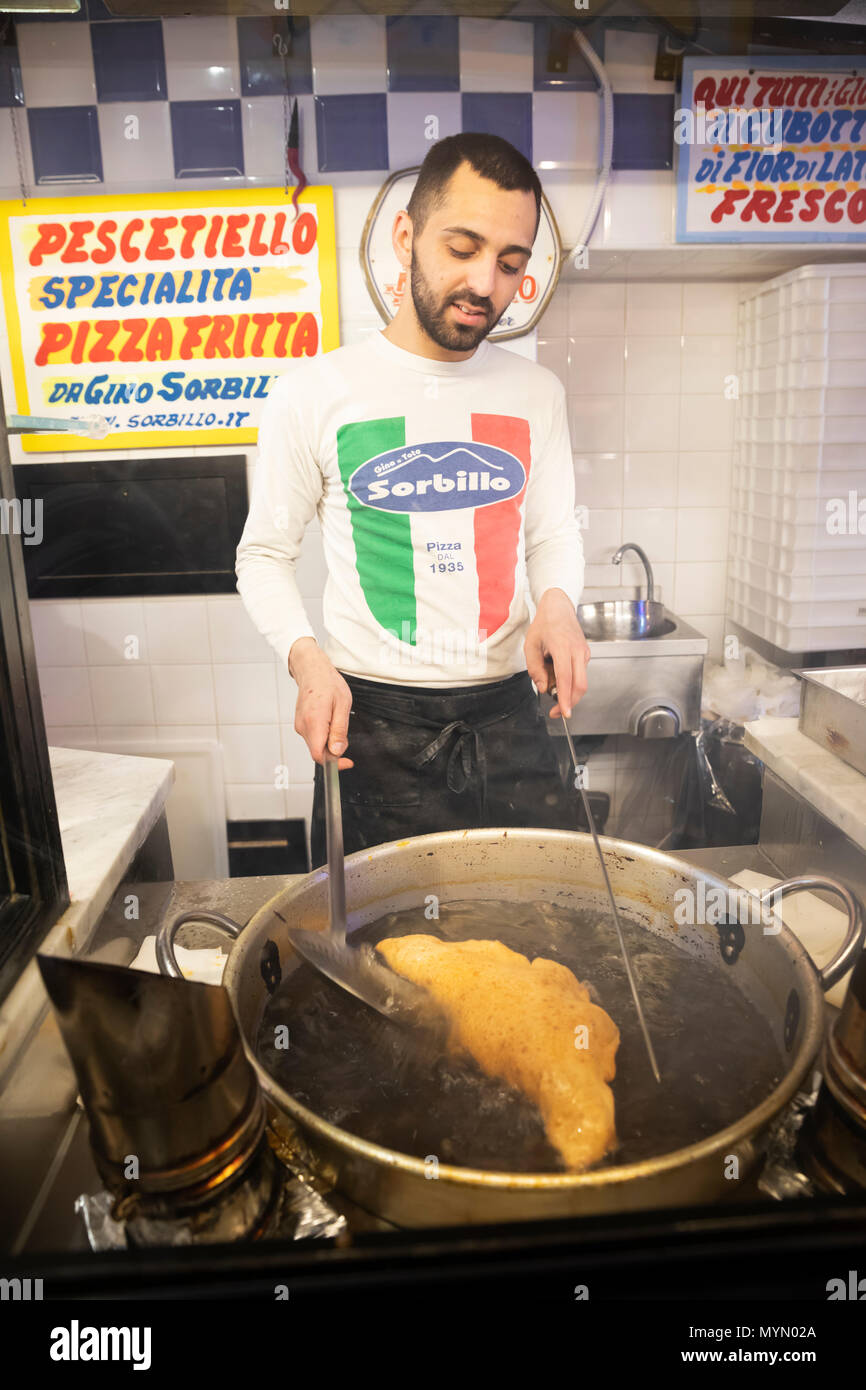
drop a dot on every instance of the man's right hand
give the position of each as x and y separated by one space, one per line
324 701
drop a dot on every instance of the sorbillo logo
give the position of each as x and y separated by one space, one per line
438 477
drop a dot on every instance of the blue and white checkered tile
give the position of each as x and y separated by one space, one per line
204 98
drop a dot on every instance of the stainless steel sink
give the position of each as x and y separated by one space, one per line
623 619
648 685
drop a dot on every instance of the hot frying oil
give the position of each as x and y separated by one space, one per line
389 1085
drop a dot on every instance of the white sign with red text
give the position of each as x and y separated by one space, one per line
771 149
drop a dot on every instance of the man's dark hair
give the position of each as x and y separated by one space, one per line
489 155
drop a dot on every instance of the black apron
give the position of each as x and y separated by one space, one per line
457 758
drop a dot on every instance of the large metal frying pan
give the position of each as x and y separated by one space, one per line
771 968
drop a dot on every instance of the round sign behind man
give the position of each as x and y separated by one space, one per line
440 468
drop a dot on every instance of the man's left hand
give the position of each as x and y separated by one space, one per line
555 636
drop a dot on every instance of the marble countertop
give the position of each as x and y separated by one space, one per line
106 805
831 786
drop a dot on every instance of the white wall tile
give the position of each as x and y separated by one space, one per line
598 480
110 733
71 735
348 53
702 533
299 803
554 320
183 694
263 122
295 754
603 535
553 354
201 60
246 693
652 365
637 198
356 330
251 753
600 576
656 309
65 694
632 574
354 195
596 424
409 127
704 479
565 130
708 363
254 801
650 480
710 307
147 162
570 193
56 64
629 61
57 632
653 528
233 636
706 422
177 630
355 301
121 695
495 55
595 365
651 423
208 733
595 308
16 116
700 587
112 628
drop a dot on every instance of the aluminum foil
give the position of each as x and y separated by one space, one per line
782 1176
301 1215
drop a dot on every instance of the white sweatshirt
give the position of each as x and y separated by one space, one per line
439 486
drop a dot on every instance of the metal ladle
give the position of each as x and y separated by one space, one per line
623 948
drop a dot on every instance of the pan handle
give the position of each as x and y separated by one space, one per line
844 958
165 957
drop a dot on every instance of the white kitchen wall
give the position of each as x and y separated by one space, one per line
645 366
649 370
651 432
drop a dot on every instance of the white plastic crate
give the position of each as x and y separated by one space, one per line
800 460
787 536
804 612
801 639
805 347
815 483
804 458
801 562
819 513
798 587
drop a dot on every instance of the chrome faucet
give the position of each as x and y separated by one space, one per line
617 555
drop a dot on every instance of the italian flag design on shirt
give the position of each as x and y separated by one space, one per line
436 525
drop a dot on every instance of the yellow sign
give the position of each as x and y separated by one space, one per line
168 314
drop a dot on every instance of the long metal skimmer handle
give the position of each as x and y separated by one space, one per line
334 837
628 970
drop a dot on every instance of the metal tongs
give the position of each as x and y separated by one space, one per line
357 969
551 690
